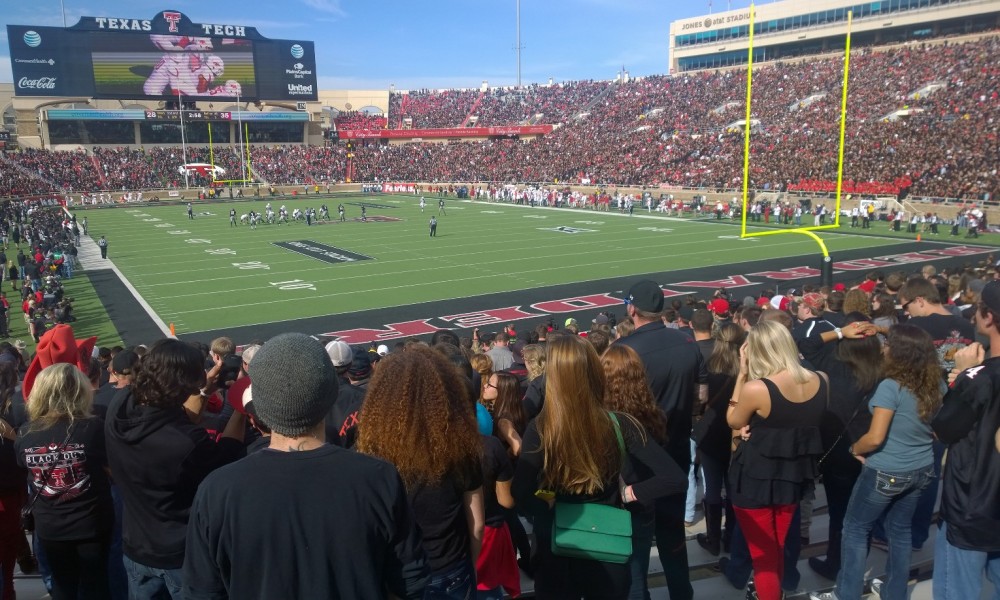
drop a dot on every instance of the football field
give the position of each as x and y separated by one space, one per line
205 275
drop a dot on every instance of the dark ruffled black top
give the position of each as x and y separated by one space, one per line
779 463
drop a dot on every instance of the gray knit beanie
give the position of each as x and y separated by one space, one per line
294 383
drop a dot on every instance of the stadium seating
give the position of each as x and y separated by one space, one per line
682 131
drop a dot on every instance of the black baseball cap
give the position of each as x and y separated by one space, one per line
646 295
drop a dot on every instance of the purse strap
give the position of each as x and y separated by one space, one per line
45 480
618 434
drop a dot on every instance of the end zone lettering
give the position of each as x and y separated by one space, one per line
322 252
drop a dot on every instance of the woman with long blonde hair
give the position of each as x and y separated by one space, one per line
417 415
777 406
570 453
62 446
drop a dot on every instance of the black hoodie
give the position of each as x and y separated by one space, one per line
158 457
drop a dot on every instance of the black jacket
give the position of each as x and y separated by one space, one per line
158 457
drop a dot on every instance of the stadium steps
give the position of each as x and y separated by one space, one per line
607 91
100 171
475 107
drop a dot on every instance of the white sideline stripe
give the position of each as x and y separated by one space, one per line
128 284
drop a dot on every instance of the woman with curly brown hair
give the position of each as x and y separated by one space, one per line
898 460
417 415
856 301
628 392
570 453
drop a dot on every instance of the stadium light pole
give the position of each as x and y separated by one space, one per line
518 49
62 5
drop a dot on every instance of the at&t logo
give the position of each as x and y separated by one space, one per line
32 39
298 51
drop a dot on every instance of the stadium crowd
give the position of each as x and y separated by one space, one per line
757 397
901 136
353 120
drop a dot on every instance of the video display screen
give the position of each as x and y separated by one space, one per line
163 57
159 65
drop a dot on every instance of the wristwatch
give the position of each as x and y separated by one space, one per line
839 332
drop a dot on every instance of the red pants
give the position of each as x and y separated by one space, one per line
765 530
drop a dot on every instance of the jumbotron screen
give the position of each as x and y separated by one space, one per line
168 56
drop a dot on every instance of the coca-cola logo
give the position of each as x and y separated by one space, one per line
42 83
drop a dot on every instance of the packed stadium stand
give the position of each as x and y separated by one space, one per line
923 119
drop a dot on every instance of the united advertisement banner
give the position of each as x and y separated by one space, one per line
167 56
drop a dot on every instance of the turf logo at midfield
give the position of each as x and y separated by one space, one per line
322 252
563 229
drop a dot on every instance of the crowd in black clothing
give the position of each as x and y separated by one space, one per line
415 464
678 131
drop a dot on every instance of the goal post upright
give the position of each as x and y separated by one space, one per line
826 265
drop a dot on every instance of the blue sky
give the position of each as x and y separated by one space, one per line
367 44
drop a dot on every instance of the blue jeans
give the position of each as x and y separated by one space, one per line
643 525
879 493
958 573
457 583
692 495
920 526
148 583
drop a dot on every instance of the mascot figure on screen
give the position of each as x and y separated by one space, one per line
187 68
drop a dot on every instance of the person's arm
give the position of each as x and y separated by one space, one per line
236 427
202 579
506 500
509 435
473 504
527 475
998 440
962 405
747 399
877 432
667 478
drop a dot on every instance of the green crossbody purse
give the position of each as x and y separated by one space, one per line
594 531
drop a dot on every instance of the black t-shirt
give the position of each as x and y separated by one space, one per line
324 523
74 502
439 511
950 334
674 367
496 467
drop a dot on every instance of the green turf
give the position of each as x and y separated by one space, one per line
212 276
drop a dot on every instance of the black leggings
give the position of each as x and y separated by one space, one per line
79 568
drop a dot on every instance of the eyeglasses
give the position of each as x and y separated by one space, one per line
490 385
907 304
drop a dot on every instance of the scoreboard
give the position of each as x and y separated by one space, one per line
189 115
